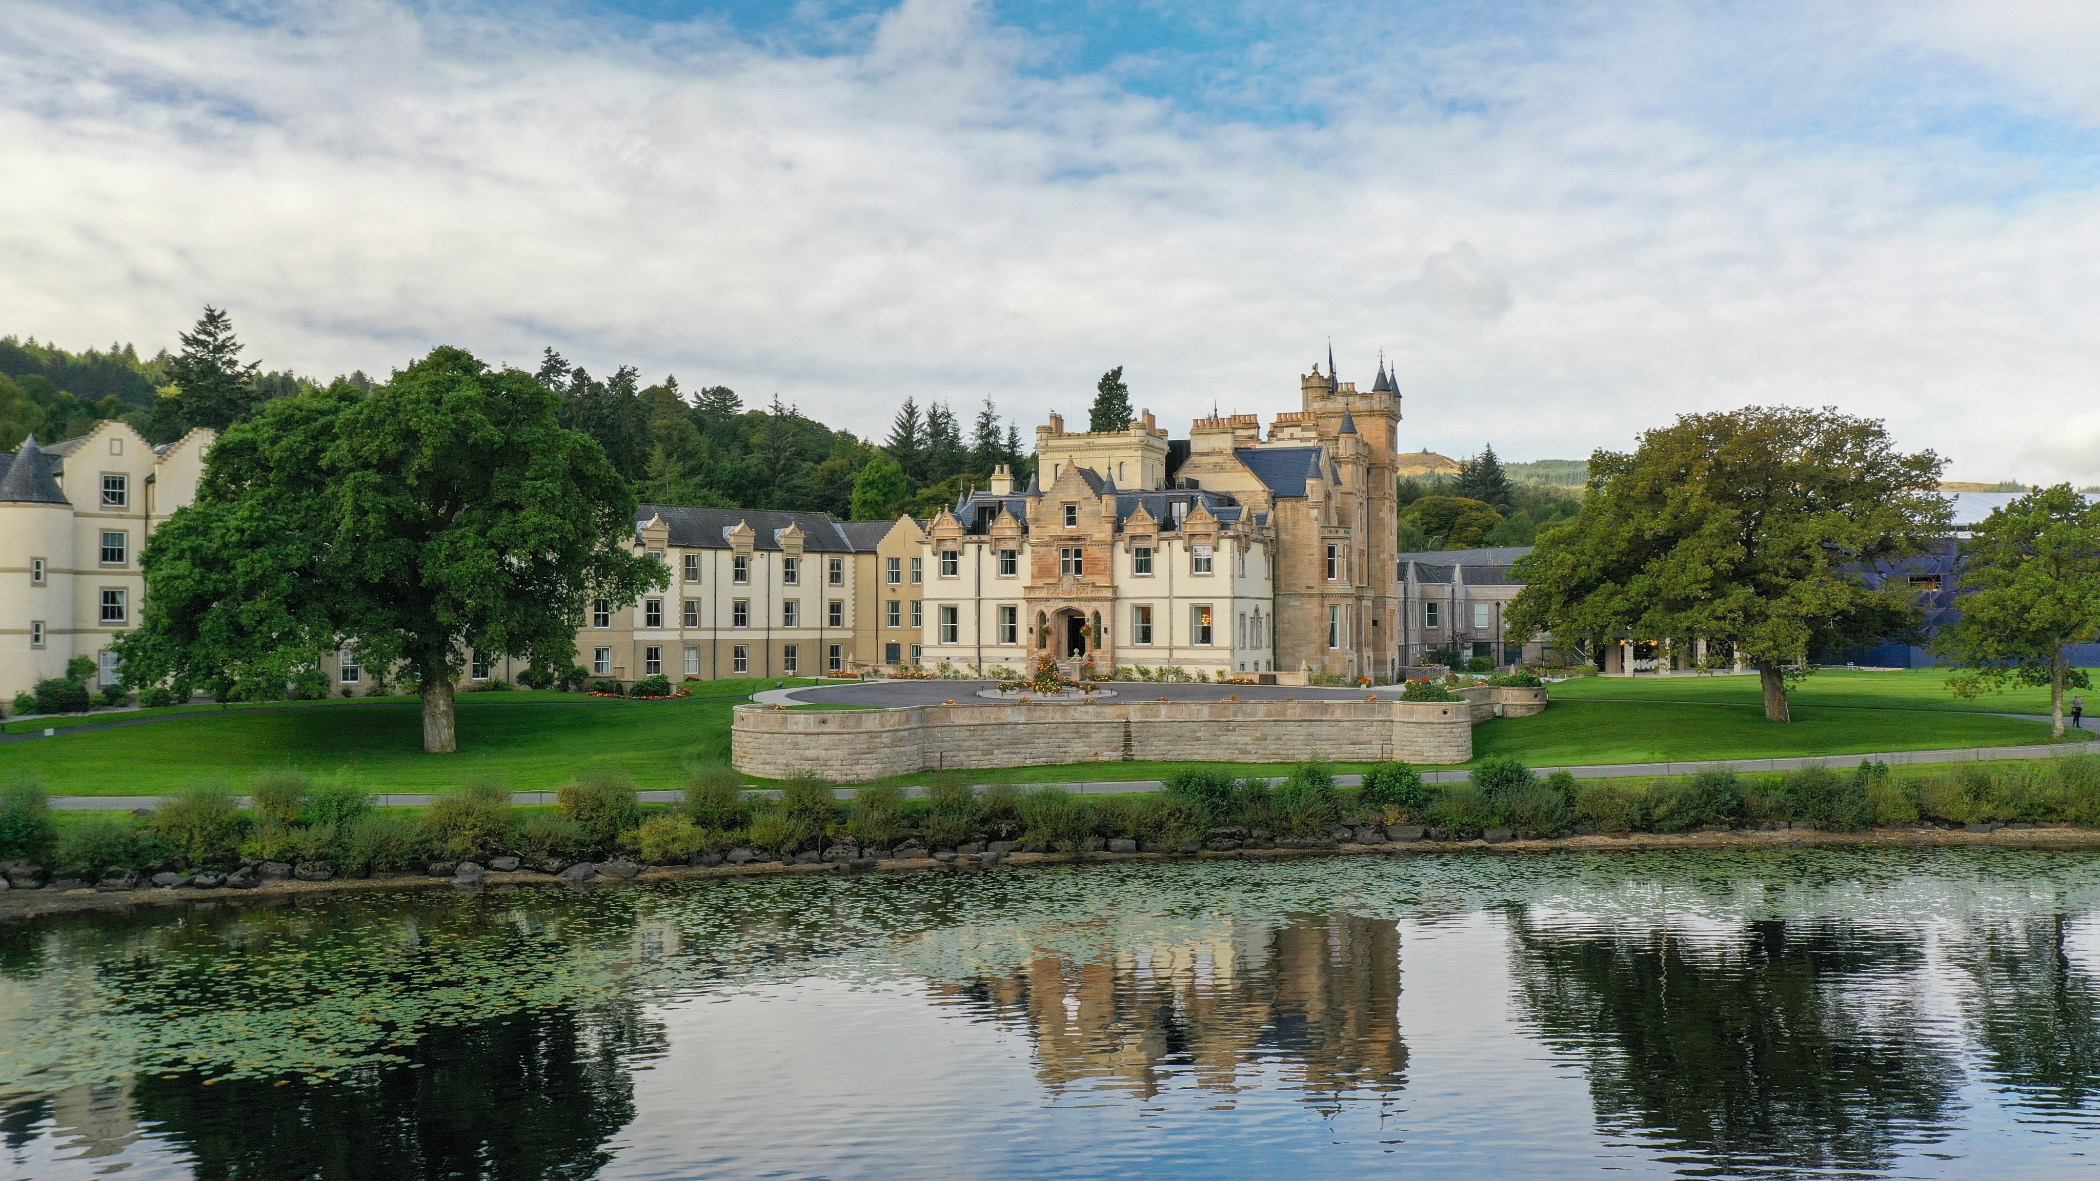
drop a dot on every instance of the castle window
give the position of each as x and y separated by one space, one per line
113 547
601 613
893 570
601 661
692 613
918 571
835 659
740 569
478 668
652 612
1009 563
1071 561
1431 616
1199 559
1483 616
1334 625
790 659
951 563
1141 559
692 567
740 613
893 615
740 659
918 615
116 491
1140 624
692 661
1009 624
835 613
653 661
949 625
1199 624
835 571
349 671
791 613
1334 562
1071 516
36 633
115 609
791 571
112 666
36 571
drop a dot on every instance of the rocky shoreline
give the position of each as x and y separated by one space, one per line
277 881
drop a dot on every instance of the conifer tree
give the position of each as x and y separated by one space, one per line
1111 410
907 441
1481 478
212 387
987 449
945 456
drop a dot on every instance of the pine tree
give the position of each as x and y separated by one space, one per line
907 441
1017 459
213 388
987 449
1481 478
1111 410
945 456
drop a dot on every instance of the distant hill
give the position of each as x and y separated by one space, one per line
1973 486
1418 464
1559 473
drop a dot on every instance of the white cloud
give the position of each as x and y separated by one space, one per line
1558 249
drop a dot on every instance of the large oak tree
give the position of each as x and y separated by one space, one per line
1750 529
444 512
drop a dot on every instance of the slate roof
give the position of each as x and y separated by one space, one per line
709 528
1495 555
1282 470
1432 573
25 477
982 508
864 536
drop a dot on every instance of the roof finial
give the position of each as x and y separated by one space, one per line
1334 381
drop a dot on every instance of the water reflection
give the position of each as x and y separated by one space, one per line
2035 1012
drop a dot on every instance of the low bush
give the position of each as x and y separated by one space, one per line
25 703
999 811
1394 785
714 798
1464 810
26 828
1825 799
1674 805
1499 775
543 834
877 820
1891 800
1607 807
656 686
671 839
1305 803
199 825
1055 818
1537 807
336 801
269 841
86 849
382 842
1517 679
493 685
472 823
774 828
157 697
602 805
1427 691
313 843
1208 792
278 796
61 696
115 695
951 813
612 687
535 677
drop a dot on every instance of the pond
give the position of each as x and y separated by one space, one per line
1803 1013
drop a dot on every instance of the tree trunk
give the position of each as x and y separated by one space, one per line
2056 695
440 734
1774 682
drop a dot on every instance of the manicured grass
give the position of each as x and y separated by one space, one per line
1923 688
1581 732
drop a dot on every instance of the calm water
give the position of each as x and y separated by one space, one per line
1797 1014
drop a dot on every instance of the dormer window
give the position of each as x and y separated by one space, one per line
740 569
1141 559
1071 516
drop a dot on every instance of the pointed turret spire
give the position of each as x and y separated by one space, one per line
1384 384
27 479
1035 480
1334 381
1348 422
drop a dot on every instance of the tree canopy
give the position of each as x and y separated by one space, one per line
2030 584
212 387
1111 410
1749 529
1481 478
445 512
1450 522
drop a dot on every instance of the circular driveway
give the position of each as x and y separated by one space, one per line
907 693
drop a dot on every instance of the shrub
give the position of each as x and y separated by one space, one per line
535 677
1499 775
1394 785
26 828
999 810
1564 785
1211 794
542 834
877 819
25 703
809 798
336 801
1607 807
671 839
157 696
1721 795
1891 800
86 849
951 813
61 696
277 795
268 841
602 805
200 825
1517 679
1427 691
714 798
1827 800
314 843
1536 807
1464 810
774 827
656 686
1675 805
1055 818
381 842
2080 778
571 679
115 695
493 685
1306 803
612 687
473 822
1480 664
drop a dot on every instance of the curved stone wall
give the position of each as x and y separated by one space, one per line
857 745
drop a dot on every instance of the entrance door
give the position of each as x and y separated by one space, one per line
1075 637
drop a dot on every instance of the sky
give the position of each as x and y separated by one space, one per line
1560 223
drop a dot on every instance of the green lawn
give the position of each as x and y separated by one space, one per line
533 741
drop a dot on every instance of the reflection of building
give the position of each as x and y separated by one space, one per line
1320 997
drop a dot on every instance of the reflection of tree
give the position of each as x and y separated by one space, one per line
1321 995
525 1096
1788 1046
2036 1014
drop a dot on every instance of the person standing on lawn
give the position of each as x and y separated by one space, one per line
2078 712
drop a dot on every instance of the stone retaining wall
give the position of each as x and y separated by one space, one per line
853 746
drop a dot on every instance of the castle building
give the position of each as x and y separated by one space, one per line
73 517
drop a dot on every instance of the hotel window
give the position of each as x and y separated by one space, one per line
111 666
893 614
1141 559
478 668
656 555
790 659
350 672
917 651
1199 624
893 653
1334 562
652 612
1009 625
918 571
740 613
1009 563
601 613
601 661
690 612
893 570
740 659
653 661
951 563
949 628
1334 625
114 607
835 658
835 571
114 545
36 571
692 661
1071 561
692 567
791 613
835 613
1071 516
740 569
1239 563
918 616
1432 615
36 633
1141 624
1483 616
116 491
1199 559
1239 631
791 571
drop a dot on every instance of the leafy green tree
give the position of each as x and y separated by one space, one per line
1111 409
19 414
879 490
1748 529
1450 522
1481 478
2030 585
444 512
212 387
